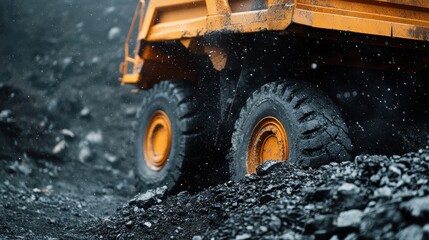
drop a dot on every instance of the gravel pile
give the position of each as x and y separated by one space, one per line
372 197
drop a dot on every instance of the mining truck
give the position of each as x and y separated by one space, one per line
228 85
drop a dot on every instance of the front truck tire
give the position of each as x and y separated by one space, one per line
288 120
168 138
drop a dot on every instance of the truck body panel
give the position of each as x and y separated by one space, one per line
187 21
175 19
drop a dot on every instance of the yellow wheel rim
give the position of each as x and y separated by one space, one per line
157 142
268 142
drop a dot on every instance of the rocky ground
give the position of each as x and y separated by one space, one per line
64 142
63 137
374 197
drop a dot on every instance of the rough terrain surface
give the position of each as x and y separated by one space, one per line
374 197
65 126
64 120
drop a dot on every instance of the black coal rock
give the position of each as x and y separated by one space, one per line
349 219
267 167
365 199
417 208
376 222
414 232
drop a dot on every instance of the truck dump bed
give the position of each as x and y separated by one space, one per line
186 20
174 19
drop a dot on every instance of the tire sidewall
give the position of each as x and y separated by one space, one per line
164 176
267 106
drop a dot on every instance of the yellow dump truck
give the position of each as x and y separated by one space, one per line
230 84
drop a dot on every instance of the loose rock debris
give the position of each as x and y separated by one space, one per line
364 199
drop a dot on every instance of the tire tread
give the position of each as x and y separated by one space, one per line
324 134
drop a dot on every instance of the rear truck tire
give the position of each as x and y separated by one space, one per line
168 138
288 120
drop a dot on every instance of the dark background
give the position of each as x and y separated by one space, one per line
59 69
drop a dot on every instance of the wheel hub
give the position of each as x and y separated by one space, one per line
268 142
157 142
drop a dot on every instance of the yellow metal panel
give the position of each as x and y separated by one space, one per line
216 7
410 31
381 10
178 29
396 18
279 14
130 78
181 12
240 5
255 21
154 7
340 22
409 3
217 22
